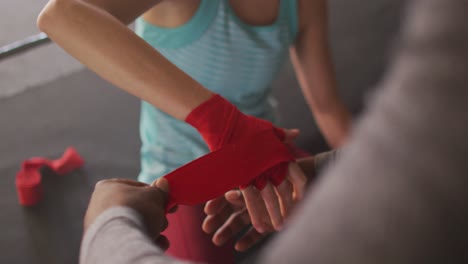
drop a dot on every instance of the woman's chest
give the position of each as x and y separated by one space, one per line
174 13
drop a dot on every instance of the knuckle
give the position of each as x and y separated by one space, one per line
100 184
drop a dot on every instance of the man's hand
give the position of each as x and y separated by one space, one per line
149 201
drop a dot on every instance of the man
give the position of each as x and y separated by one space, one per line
397 193
147 205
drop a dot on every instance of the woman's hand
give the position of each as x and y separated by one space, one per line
232 213
269 207
227 216
266 210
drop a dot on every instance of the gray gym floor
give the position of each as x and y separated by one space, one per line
48 102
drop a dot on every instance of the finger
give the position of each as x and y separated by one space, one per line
212 222
298 180
162 184
273 206
234 225
160 189
235 198
257 210
162 242
234 202
249 239
291 134
155 220
215 205
285 195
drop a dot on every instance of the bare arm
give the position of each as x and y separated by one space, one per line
94 32
311 59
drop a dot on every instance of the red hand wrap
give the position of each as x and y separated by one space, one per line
28 179
220 123
247 150
234 165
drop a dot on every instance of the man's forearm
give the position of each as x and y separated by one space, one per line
314 165
398 192
324 159
119 236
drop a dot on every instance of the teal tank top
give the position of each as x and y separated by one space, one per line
234 59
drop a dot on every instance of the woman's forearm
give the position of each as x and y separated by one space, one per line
335 123
109 48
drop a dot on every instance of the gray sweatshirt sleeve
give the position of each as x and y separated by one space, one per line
397 193
118 236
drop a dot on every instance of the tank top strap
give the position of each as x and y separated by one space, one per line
289 13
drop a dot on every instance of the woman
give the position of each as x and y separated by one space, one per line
233 48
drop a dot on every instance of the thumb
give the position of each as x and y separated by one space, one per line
291 134
162 184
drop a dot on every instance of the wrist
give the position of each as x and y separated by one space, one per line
215 119
307 166
324 159
314 165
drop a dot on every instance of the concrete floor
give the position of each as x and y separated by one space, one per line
66 105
